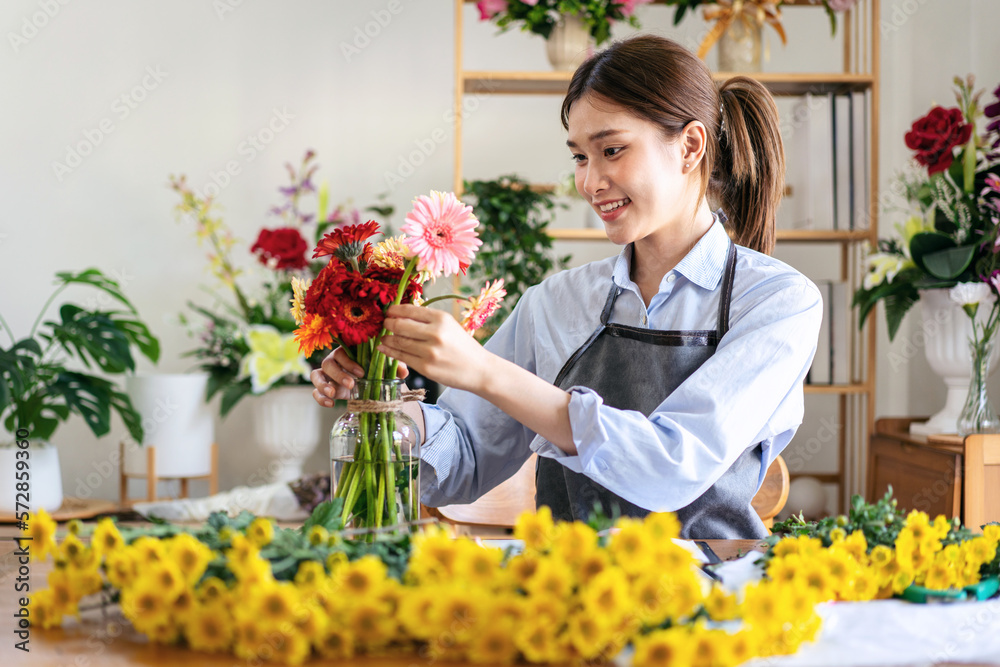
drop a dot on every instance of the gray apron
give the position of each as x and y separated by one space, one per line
633 368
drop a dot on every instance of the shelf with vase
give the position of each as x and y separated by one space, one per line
499 82
858 72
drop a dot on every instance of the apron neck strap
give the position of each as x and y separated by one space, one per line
727 290
724 298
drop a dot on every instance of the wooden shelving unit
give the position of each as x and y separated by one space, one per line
859 71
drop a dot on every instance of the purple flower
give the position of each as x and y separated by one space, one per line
992 113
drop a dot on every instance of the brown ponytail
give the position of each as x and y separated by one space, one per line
743 170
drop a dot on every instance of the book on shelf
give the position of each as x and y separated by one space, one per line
831 365
826 163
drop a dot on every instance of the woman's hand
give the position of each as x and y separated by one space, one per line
335 378
432 342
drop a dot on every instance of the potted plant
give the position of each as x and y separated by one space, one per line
39 389
569 27
949 242
516 243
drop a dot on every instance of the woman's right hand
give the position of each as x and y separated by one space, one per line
335 378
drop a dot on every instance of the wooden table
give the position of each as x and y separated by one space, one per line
110 641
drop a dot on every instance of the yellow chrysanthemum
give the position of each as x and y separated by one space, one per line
434 557
940 576
522 567
148 550
106 539
651 595
191 556
588 635
459 611
494 645
720 605
213 590
817 577
145 604
992 532
44 611
311 573
591 565
684 594
369 623
478 565
260 532
168 632
362 577
207 630
662 526
980 549
607 595
664 648
71 549
299 289
506 607
535 529
837 535
416 612
538 643
274 605
165 575
310 621
881 556
547 609
337 643
572 541
631 546
249 640
120 567
551 577
785 569
856 545
64 595
42 531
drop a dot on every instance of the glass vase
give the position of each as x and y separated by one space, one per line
740 45
375 458
978 416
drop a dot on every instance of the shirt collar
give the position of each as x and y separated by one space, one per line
703 265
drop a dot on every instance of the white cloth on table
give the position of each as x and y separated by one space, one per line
273 500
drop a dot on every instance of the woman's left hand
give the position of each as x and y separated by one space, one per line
433 343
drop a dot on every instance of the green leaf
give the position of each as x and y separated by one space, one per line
17 370
138 334
122 404
327 515
92 335
87 396
897 304
949 263
232 395
95 278
924 243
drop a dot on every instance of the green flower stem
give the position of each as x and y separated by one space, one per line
390 469
443 297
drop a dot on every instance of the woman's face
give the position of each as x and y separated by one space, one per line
633 177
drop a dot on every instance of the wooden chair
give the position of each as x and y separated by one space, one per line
497 511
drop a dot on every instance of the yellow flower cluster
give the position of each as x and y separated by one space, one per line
846 570
568 597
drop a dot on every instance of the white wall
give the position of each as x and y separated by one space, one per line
222 75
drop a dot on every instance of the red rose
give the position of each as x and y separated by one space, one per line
935 135
285 245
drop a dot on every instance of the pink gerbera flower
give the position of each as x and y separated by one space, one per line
483 306
441 232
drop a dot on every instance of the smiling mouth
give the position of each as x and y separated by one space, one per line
605 208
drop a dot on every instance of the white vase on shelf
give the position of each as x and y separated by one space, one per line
946 333
569 44
287 428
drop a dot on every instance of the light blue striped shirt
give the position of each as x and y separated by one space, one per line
748 392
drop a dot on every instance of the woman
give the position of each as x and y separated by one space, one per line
664 379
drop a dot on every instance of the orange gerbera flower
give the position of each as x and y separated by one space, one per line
313 335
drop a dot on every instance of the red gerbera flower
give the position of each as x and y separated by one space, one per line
314 334
346 243
390 278
282 248
356 320
328 285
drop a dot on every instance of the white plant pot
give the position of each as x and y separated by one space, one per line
946 332
568 45
287 425
176 420
44 483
